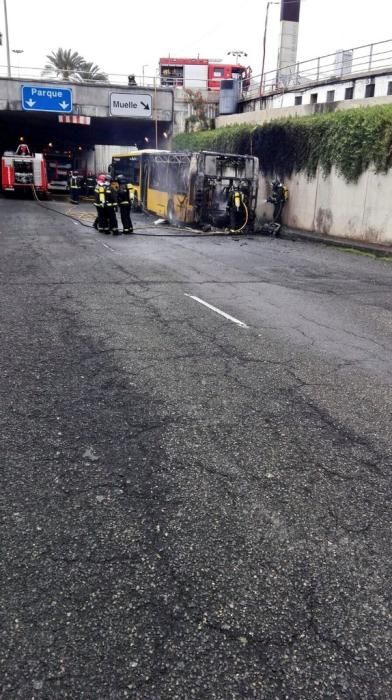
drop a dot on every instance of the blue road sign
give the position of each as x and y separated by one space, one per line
46 98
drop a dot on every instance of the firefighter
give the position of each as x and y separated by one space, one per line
74 186
110 207
23 150
237 209
125 198
90 185
278 198
101 223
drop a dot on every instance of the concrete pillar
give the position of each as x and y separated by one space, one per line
289 25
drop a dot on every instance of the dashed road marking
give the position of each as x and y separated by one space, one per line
218 311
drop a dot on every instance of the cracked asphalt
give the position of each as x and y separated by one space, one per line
189 508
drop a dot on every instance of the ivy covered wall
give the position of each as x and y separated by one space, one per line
351 141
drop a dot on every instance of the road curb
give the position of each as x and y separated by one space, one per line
373 249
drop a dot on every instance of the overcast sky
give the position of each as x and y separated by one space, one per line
122 36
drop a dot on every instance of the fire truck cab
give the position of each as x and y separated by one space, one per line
23 170
200 73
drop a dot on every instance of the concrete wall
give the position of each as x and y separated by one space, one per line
259 116
88 100
99 159
169 105
331 206
359 85
307 92
360 211
183 107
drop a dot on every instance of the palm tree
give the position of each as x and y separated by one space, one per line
90 71
64 64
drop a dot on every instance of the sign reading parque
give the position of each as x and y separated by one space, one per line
46 98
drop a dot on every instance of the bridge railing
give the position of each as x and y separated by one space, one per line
38 73
338 65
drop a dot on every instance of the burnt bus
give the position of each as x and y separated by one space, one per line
195 188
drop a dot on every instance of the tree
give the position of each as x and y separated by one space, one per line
198 120
90 71
63 63
70 65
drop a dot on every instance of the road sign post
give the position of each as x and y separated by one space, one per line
46 98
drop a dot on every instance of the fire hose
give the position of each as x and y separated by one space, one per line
187 232
246 219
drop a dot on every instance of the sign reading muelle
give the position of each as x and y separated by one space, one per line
130 104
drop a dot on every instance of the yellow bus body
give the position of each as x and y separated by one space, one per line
188 188
152 199
158 203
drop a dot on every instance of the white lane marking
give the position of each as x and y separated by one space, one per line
218 311
114 250
76 223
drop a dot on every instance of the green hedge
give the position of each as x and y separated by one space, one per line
350 140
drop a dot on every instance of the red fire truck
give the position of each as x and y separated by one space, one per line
200 73
23 170
59 167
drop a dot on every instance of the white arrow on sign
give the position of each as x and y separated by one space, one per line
30 102
63 104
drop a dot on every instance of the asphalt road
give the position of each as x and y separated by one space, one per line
192 507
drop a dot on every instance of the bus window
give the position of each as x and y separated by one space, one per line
135 178
158 175
129 166
177 178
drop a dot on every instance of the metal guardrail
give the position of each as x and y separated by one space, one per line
33 73
338 65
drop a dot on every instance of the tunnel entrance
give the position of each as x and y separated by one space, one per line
76 142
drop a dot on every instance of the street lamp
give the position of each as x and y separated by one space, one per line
270 2
237 54
7 40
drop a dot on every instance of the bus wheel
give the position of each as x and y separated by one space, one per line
171 217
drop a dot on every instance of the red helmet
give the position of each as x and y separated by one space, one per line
23 150
101 179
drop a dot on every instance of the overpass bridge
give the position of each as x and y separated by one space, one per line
98 113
